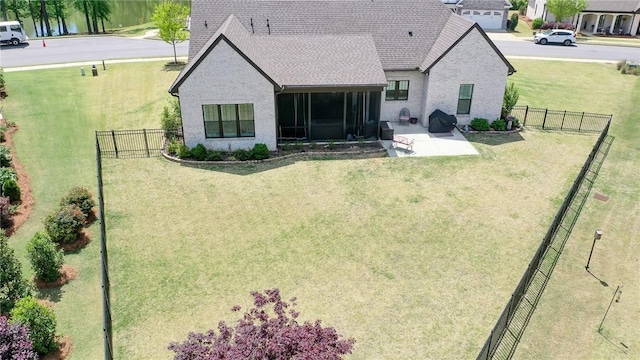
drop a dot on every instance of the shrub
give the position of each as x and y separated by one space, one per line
510 99
536 23
46 260
173 147
522 10
64 225
556 25
214 155
5 156
266 333
480 124
7 174
499 125
199 152
81 197
260 151
184 152
170 118
12 285
620 64
242 154
331 145
15 343
41 322
1 77
11 189
514 21
3 136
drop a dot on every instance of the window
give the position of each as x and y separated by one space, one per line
464 99
3 28
397 90
487 13
497 13
228 120
476 13
466 12
16 28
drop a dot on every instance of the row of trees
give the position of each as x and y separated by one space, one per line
46 12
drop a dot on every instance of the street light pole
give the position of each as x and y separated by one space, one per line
596 236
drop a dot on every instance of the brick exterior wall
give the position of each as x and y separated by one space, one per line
390 110
471 61
224 77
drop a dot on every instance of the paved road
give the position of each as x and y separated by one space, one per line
79 49
86 49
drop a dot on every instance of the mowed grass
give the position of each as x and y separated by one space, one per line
415 258
57 112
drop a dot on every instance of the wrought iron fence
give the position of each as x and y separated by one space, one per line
561 119
134 143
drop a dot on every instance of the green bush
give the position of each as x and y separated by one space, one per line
536 23
242 154
199 152
41 322
11 189
81 197
46 260
5 156
260 151
170 118
173 147
1 77
12 285
64 225
499 125
514 21
480 124
184 152
7 174
522 10
214 155
620 64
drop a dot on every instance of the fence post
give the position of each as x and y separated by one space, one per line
526 112
581 118
146 143
544 120
563 116
115 145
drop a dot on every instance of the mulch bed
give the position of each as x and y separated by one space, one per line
67 273
64 349
81 241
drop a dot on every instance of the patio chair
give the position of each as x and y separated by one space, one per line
405 115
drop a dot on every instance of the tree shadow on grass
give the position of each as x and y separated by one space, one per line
53 294
495 139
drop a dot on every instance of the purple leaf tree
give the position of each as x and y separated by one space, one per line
268 330
15 343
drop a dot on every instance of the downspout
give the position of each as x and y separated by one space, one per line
181 122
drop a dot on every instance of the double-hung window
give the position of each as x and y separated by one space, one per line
464 99
397 90
228 120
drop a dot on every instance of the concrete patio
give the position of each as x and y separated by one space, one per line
428 144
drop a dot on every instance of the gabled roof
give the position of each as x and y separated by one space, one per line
298 61
483 4
614 5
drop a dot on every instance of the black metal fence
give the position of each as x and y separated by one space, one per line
506 334
561 119
134 143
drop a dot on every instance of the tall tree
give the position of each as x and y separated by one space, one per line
45 17
34 12
83 6
563 9
19 8
170 17
101 10
3 5
60 10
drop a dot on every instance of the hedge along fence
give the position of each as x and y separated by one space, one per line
561 119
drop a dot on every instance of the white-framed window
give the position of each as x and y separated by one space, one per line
464 99
228 120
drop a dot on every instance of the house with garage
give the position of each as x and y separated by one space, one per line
263 71
489 14
601 17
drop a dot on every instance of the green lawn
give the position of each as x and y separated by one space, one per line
415 258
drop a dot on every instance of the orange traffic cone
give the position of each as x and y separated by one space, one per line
43 43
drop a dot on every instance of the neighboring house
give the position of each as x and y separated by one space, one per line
267 71
618 17
489 14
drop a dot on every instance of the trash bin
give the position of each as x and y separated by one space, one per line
386 130
413 120
94 70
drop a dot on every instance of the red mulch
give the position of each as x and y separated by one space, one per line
67 273
81 241
64 349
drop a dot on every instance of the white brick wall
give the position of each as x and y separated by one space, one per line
471 61
224 77
389 110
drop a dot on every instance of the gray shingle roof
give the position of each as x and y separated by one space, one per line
484 4
613 5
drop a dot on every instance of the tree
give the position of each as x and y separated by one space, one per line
511 96
46 260
60 10
170 17
3 5
265 334
83 7
44 17
15 343
41 322
562 9
12 285
19 8
34 13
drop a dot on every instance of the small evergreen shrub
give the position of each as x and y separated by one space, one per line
7 174
522 10
173 147
536 23
41 322
260 151
313 145
331 145
81 197
514 21
620 64
499 125
480 124
242 154
11 189
199 152
12 285
184 152
64 225
15 343
214 155
5 156
46 260
1 77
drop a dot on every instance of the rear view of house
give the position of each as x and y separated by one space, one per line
267 71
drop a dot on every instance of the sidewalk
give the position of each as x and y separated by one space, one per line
88 64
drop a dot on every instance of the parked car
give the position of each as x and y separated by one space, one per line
557 36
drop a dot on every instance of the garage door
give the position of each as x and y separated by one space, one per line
485 18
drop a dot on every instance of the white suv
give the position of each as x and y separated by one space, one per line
558 36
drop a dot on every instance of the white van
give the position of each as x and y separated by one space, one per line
11 32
